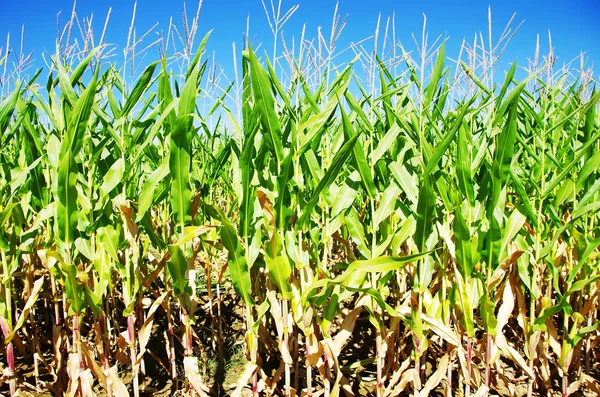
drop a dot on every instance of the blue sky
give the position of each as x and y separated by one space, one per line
574 24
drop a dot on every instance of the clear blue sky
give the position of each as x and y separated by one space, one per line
574 24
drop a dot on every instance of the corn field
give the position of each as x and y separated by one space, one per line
395 226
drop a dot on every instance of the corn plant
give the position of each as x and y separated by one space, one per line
361 232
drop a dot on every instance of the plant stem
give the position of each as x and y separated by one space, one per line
171 352
469 358
10 354
284 310
133 354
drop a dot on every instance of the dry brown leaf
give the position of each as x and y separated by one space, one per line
267 207
275 309
37 285
73 371
132 228
504 313
396 377
592 384
190 364
244 379
573 387
91 364
314 350
482 391
502 269
271 381
436 377
285 353
441 329
545 370
346 386
510 352
146 328
117 386
86 381
315 393
592 303
408 377
506 309
346 329
553 340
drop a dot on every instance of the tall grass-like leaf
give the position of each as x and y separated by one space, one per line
509 78
280 269
113 177
263 96
146 196
359 158
425 212
425 215
178 271
571 166
165 97
382 264
180 160
332 173
441 147
238 266
436 75
500 172
463 166
199 52
67 209
524 197
7 107
140 87
464 246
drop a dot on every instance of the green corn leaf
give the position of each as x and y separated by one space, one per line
192 66
474 78
191 232
525 199
503 157
178 268
359 157
381 264
238 266
67 209
405 180
7 107
513 96
425 212
280 269
432 162
332 173
139 89
509 78
180 160
464 248
569 167
108 241
386 143
386 205
112 178
357 232
146 197
590 166
436 75
265 105
463 166
81 68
